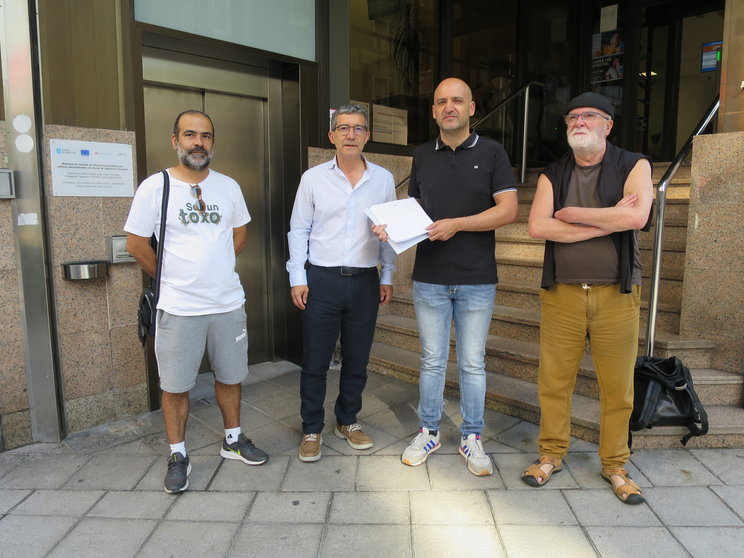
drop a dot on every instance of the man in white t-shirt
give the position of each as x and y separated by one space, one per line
201 302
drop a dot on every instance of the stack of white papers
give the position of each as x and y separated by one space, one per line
406 222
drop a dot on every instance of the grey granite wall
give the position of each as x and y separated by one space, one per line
102 362
713 297
15 419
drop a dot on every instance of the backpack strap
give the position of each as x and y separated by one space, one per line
696 430
678 379
161 238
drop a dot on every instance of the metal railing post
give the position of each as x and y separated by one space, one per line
653 298
525 119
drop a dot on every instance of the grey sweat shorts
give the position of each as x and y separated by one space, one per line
180 342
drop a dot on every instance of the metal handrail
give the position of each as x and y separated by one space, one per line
525 89
653 300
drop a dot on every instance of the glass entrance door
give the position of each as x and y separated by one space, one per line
677 82
239 114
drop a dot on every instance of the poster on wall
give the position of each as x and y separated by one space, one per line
90 168
389 125
710 58
608 48
607 68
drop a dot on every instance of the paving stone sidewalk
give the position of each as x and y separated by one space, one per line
99 492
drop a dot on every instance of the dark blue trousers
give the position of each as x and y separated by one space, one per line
337 305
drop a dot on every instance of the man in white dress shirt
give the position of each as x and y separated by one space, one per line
333 259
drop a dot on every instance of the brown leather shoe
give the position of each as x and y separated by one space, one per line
310 447
354 435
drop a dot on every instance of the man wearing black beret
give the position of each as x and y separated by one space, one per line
589 206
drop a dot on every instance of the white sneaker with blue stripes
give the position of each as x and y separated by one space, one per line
479 463
420 447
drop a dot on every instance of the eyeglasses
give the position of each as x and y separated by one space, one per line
197 192
344 129
588 117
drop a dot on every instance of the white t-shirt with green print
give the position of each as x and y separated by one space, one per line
198 275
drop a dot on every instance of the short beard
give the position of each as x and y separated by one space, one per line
586 146
188 160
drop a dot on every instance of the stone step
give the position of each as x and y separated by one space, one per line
522 268
519 359
517 232
675 231
524 294
523 328
675 214
677 189
509 245
518 397
683 174
658 169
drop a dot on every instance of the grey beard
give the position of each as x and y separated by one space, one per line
192 162
585 149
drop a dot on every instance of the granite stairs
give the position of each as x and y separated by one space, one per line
512 346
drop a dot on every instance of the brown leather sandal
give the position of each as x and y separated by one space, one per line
534 473
628 492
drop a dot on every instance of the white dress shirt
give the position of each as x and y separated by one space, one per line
329 227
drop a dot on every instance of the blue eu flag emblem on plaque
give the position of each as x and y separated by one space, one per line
85 152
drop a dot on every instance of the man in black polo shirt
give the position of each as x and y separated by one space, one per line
465 184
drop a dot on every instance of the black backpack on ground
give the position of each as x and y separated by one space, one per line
665 396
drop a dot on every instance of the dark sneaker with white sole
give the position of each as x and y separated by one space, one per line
243 450
177 477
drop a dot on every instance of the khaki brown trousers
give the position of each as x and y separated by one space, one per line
569 314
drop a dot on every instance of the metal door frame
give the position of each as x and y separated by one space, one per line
22 98
286 157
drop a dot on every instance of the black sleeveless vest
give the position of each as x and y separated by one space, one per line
617 164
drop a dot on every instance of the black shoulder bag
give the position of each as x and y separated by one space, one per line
665 396
148 303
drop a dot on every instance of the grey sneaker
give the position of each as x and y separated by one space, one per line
177 477
420 447
478 461
243 450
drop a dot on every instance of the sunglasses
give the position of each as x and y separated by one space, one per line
197 192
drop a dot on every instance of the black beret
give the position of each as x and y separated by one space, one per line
589 99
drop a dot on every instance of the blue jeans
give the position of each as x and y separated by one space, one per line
471 307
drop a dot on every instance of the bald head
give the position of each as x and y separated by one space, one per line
453 85
453 106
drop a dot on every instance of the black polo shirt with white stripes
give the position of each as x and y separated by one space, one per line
458 183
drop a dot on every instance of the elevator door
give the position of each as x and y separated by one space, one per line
240 152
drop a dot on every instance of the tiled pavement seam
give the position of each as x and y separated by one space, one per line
696 497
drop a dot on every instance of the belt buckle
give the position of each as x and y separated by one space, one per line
346 271
586 286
